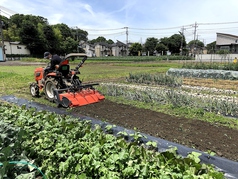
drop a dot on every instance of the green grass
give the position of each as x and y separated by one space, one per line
15 80
28 59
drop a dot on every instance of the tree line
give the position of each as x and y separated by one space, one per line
175 44
39 36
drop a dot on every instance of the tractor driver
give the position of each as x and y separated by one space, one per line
54 60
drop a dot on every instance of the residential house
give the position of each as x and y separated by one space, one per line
101 49
89 50
119 49
15 48
227 42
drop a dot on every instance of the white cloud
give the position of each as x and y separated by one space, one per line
56 18
89 9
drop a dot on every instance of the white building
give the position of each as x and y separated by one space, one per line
227 42
15 48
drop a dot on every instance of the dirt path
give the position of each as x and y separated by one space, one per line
20 63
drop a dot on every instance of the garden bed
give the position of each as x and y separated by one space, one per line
189 133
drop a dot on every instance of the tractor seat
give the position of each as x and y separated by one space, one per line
64 69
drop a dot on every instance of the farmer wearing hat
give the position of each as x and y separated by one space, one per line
54 61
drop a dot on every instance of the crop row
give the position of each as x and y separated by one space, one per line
154 79
142 58
65 147
214 66
173 96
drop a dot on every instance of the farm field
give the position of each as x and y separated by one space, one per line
214 137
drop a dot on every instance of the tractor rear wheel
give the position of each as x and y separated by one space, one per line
50 85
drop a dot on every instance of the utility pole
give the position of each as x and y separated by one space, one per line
181 47
126 40
194 42
195 30
77 33
2 53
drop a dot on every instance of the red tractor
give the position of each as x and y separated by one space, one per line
63 86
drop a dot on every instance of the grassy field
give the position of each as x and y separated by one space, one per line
15 80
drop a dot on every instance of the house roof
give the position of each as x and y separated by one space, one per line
119 43
228 35
226 39
102 43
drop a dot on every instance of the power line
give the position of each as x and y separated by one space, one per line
158 29
166 28
7 11
4 13
218 23
221 28
161 28
119 33
103 29
188 30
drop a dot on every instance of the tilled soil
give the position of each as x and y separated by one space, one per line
196 134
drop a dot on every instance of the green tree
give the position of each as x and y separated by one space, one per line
211 47
60 40
5 21
36 33
19 19
29 30
79 34
64 30
175 43
29 36
69 45
161 48
41 38
12 33
164 41
195 43
135 49
195 46
110 41
51 40
150 45
99 39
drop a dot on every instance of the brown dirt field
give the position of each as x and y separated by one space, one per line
196 134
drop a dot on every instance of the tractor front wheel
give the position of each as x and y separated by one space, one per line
50 85
34 89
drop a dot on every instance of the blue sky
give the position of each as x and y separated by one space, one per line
151 18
